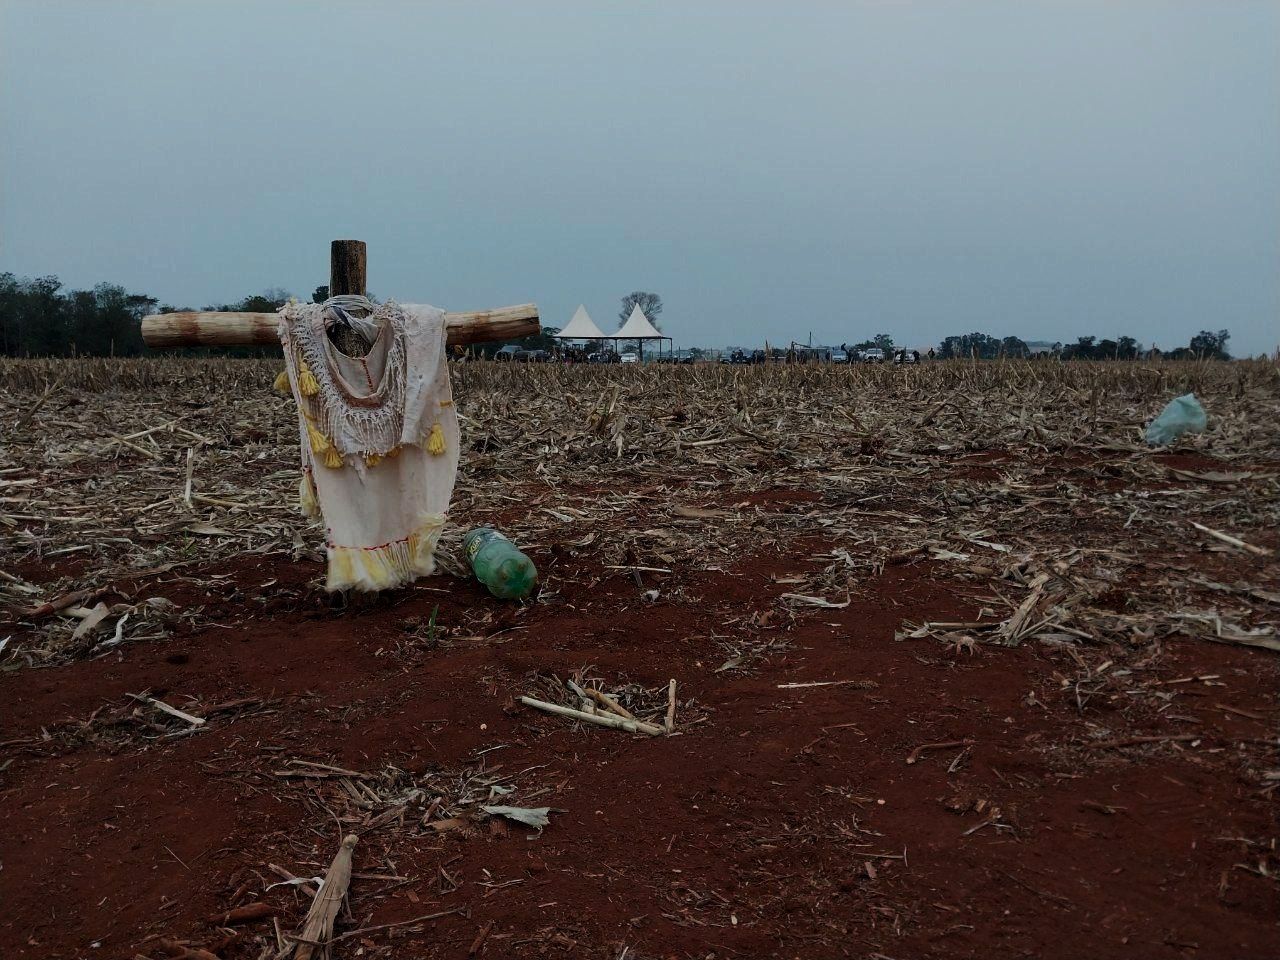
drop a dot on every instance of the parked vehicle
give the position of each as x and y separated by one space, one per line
531 356
679 356
803 353
629 356
602 356
873 355
507 353
839 356
906 356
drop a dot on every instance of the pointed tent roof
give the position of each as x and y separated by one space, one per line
638 327
581 327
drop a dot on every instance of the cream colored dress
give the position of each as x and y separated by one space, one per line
379 441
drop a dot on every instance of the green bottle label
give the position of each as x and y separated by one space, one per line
480 541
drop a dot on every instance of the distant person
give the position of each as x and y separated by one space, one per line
931 355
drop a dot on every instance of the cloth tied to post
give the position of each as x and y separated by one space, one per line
379 438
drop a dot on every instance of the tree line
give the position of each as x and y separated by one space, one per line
38 317
1207 344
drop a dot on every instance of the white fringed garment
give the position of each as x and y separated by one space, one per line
385 496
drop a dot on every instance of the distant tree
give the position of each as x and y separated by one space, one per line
1085 348
82 322
885 342
1209 345
1127 348
268 301
650 303
117 326
980 345
1014 347
320 294
45 325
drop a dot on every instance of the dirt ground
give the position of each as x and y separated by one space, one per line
1017 738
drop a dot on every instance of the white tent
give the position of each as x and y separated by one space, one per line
581 327
639 328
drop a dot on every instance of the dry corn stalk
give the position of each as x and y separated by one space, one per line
318 927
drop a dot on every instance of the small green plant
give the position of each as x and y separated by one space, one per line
422 635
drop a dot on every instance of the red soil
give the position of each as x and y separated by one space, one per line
786 823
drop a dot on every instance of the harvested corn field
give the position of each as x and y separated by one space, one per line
958 661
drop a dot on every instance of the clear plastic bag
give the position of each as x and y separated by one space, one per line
1182 415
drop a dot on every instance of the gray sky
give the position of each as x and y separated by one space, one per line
1046 170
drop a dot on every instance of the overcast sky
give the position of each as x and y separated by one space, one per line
1046 170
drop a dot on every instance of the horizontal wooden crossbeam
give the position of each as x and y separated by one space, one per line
192 328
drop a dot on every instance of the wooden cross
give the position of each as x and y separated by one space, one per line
347 261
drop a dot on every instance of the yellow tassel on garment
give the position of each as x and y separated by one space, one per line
320 444
332 458
393 452
307 380
307 497
435 443
372 459
281 384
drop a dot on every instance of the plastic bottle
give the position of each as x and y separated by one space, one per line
496 562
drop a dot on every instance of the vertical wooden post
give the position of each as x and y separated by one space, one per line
348 260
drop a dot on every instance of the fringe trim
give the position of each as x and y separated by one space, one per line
281 384
387 566
307 502
373 459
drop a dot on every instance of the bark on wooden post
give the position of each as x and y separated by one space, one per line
348 260
193 328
